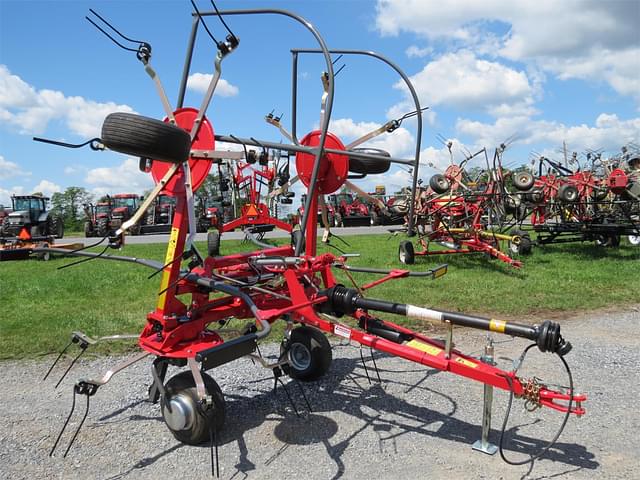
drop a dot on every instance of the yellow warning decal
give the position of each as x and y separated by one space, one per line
424 347
466 363
497 325
164 283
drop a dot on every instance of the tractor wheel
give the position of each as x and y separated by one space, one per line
374 219
103 227
439 183
406 254
184 417
523 181
339 221
145 137
525 245
57 227
213 243
88 229
567 193
308 352
368 166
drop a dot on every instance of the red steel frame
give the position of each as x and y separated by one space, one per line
178 330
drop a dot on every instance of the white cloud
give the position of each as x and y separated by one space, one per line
10 169
586 39
199 82
30 110
608 132
125 177
417 52
47 188
399 143
5 194
462 80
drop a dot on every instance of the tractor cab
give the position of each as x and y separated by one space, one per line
124 206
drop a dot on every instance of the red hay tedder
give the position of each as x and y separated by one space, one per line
293 284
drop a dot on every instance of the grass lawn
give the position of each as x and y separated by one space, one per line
42 305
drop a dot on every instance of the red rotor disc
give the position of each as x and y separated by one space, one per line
205 140
334 167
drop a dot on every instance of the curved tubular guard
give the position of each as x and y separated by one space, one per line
324 127
416 102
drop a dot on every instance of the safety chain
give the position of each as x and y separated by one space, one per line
531 394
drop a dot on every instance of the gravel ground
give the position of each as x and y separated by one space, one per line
417 423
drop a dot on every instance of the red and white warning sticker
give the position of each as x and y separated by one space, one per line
342 331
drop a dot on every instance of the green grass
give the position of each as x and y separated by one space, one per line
41 305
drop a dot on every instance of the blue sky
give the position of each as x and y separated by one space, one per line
544 72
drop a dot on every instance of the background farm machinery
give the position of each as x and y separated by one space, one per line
462 215
31 212
293 283
598 201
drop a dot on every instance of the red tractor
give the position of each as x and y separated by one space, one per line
160 215
349 210
98 219
124 206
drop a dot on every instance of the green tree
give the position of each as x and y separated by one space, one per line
68 204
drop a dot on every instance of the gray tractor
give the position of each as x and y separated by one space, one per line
30 212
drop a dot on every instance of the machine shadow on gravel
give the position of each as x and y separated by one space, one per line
346 389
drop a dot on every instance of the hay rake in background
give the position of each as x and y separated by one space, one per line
293 284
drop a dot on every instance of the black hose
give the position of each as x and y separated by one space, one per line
553 441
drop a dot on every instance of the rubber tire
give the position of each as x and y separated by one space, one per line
103 227
213 243
523 181
368 166
439 183
57 227
525 246
599 194
406 253
184 384
145 137
567 193
374 219
320 353
535 196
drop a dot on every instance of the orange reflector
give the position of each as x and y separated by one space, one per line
24 234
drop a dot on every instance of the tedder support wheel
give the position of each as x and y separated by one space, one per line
525 245
213 243
368 166
308 352
439 183
187 420
523 181
406 253
145 137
